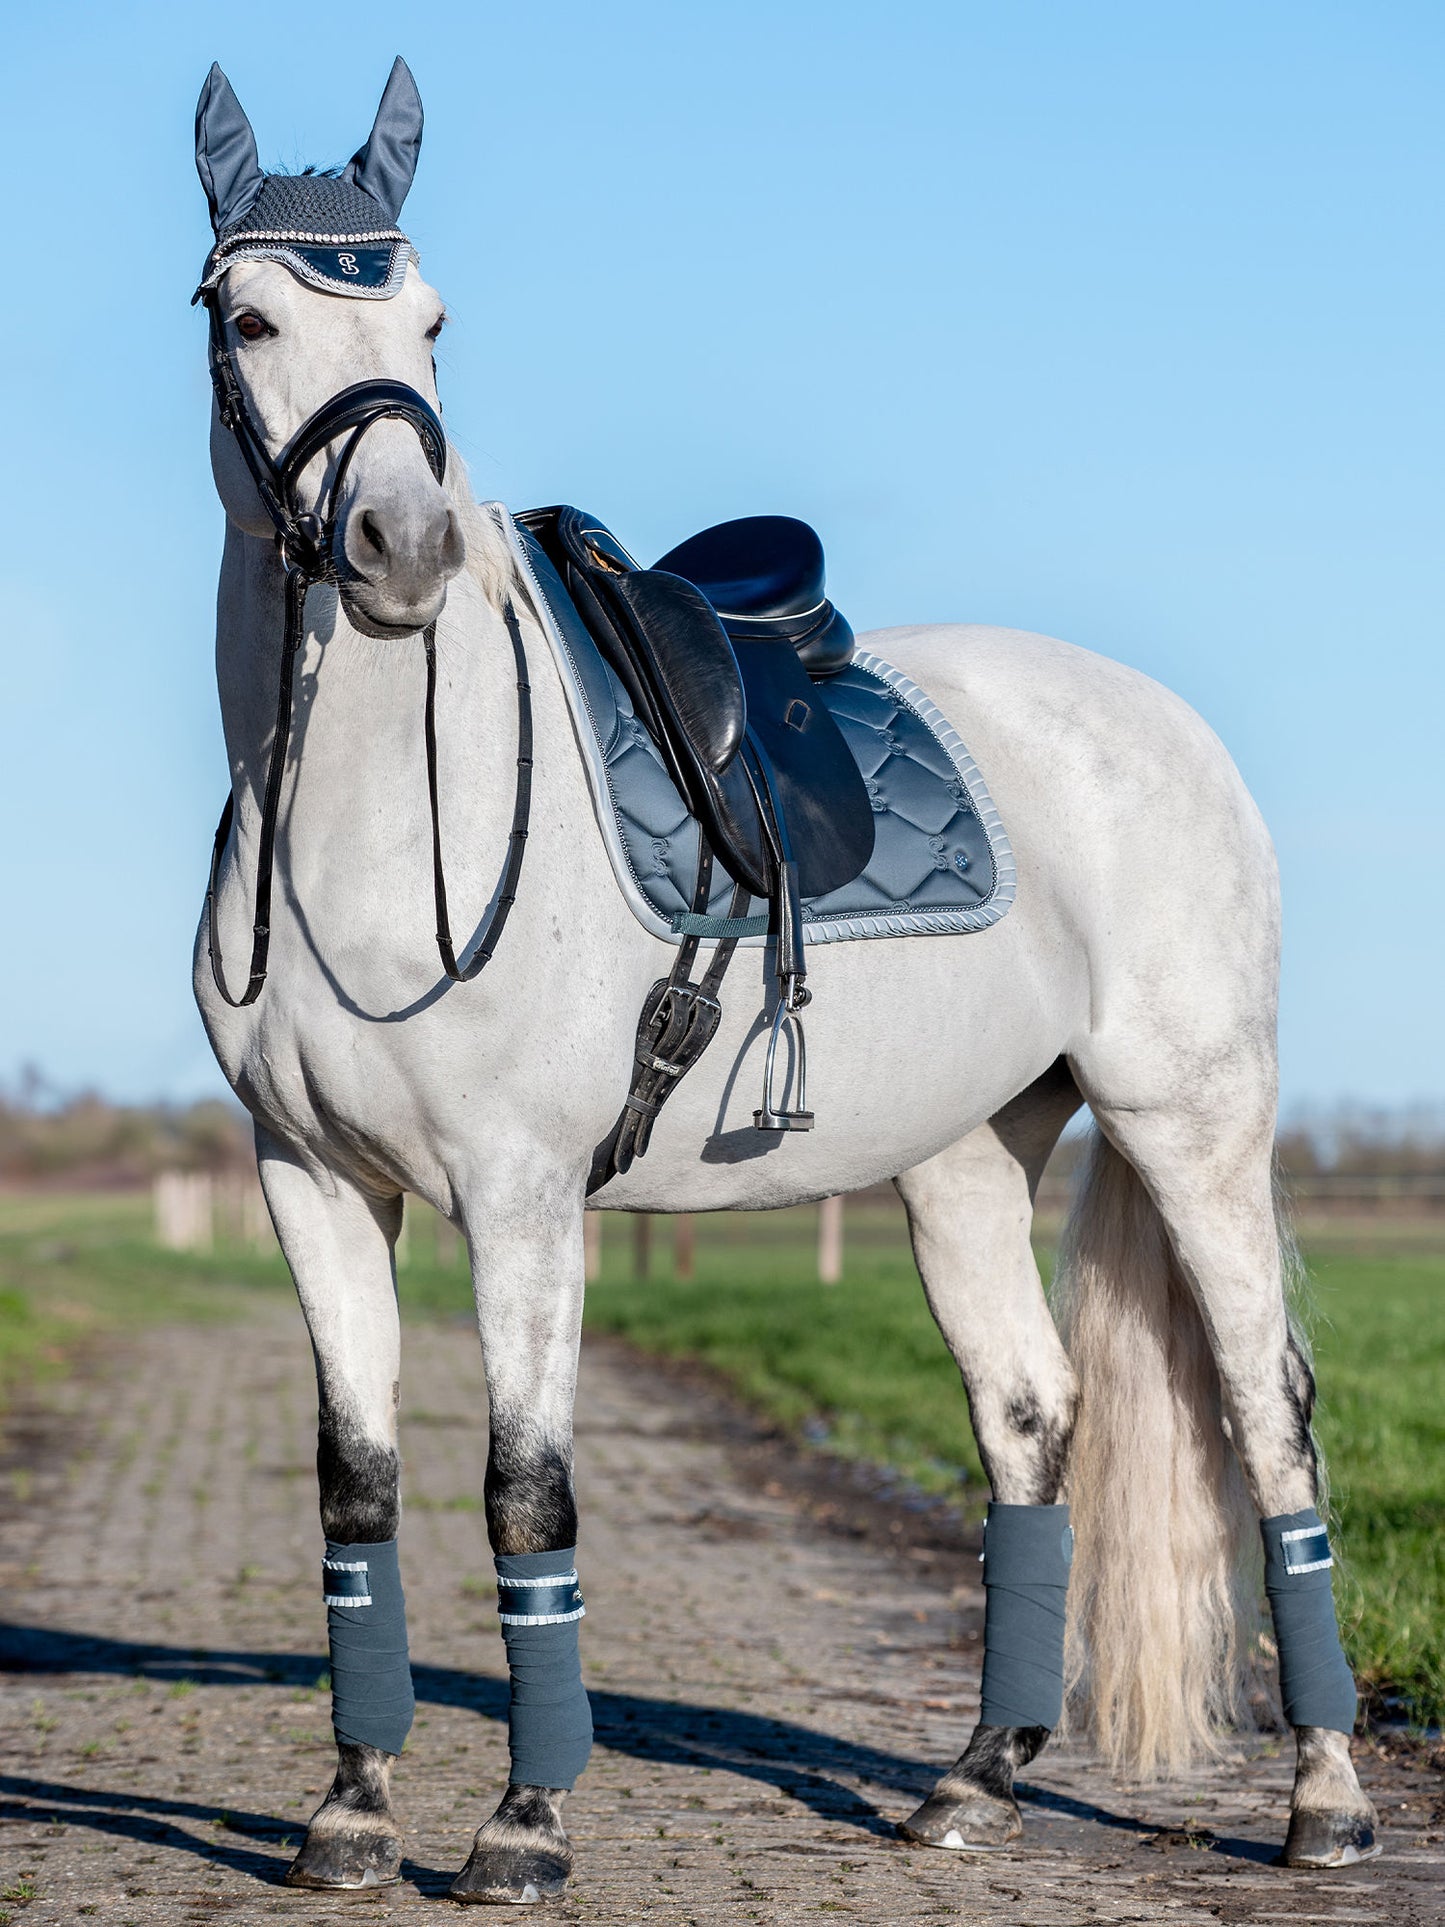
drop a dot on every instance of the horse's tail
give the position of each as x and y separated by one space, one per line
1161 1604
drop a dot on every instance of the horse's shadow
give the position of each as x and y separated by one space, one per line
812 1767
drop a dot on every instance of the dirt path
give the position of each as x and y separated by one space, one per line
773 1685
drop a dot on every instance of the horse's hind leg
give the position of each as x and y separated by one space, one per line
1203 1147
338 1243
970 1210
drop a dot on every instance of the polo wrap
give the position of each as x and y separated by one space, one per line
372 1701
1027 1551
549 1727
1315 1681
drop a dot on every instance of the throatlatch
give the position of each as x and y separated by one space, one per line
549 1727
372 1700
1315 1681
1027 1552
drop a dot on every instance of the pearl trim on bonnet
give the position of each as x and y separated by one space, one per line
249 238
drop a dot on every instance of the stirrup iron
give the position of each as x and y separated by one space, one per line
789 1013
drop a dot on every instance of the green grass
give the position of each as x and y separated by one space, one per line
1380 1363
857 1366
79 1270
76 1270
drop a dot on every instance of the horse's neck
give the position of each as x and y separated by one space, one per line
354 789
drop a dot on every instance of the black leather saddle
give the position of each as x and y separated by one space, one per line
717 647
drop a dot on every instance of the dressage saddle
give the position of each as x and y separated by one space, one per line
719 646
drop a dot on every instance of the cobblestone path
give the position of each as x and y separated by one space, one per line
773 1685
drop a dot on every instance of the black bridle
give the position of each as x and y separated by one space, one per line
306 541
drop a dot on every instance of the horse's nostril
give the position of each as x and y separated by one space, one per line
373 534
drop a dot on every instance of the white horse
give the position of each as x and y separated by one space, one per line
1136 972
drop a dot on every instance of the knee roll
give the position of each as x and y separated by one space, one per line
1027 1551
1315 1681
549 1727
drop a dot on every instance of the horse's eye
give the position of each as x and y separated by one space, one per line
436 327
250 327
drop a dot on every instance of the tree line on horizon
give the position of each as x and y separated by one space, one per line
48 1137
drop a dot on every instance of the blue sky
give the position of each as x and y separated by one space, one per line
1117 321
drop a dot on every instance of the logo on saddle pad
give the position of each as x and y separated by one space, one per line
797 714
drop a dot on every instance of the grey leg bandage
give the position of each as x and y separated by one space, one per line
1315 1681
371 1694
549 1729
1027 1550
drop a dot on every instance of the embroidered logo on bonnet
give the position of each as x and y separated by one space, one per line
336 232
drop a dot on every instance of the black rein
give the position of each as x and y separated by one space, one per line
305 540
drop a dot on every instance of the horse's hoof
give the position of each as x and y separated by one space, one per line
511 1877
347 1857
1321 1839
520 1856
963 1819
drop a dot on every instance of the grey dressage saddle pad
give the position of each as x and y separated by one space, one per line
941 863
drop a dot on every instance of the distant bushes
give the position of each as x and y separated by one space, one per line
84 1141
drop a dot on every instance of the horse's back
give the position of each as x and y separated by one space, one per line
1101 774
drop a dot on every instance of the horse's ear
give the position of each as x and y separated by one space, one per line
385 166
225 152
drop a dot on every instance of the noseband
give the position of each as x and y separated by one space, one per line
306 540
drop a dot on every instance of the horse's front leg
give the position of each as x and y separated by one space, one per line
527 1274
338 1243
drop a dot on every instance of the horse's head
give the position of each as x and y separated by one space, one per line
316 294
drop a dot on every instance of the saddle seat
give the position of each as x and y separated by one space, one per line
764 575
725 692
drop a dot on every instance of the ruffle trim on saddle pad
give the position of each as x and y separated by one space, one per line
942 863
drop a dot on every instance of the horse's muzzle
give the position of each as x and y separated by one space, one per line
394 561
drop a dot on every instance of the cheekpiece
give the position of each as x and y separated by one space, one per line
328 231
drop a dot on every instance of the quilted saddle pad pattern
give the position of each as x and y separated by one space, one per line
941 863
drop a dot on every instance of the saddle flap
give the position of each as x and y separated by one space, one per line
818 788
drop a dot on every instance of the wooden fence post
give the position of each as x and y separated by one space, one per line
830 1241
684 1245
591 1244
184 1208
641 1243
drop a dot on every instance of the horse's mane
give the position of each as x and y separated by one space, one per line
489 560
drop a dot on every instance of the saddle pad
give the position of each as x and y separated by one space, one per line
941 864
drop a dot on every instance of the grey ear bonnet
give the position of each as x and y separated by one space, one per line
336 232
